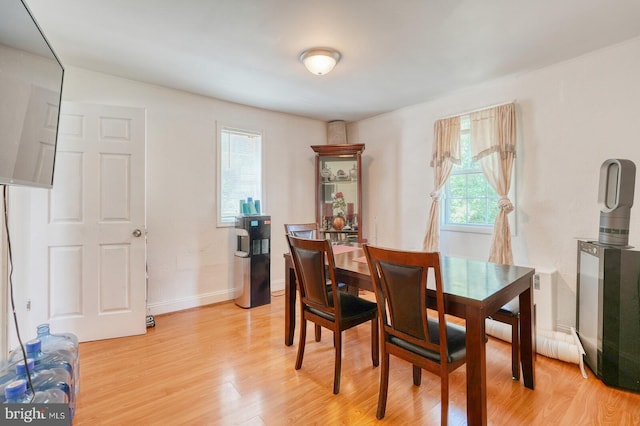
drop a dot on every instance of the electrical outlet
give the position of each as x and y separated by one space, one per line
536 282
29 305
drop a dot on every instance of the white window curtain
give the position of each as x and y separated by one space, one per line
446 152
493 144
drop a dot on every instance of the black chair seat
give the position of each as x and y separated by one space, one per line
511 309
352 308
456 347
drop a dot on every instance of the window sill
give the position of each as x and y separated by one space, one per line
470 229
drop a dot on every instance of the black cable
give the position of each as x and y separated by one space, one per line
13 304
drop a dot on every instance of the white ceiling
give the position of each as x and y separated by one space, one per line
395 53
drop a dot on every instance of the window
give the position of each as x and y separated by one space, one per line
469 200
239 171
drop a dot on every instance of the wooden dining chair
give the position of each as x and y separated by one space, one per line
309 231
326 306
408 330
302 230
511 316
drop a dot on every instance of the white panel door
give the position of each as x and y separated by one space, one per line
89 261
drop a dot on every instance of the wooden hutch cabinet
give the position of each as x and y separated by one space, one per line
339 191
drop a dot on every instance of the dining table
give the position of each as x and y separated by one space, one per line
473 290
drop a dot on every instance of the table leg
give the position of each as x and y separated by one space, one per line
289 304
476 367
527 338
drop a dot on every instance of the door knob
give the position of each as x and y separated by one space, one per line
137 233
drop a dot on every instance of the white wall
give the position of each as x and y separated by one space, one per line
189 258
571 117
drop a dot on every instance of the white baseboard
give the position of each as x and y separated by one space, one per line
563 328
174 305
200 300
277 285
189 302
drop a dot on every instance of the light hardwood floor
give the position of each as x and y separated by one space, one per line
224 365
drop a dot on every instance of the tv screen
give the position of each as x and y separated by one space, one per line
30 91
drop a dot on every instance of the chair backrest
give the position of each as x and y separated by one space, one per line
312 275
302 230
400 283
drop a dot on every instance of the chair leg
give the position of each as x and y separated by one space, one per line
375 343
514 321
337 340
417 375
303 337
384 385
444 398
515 349
318 333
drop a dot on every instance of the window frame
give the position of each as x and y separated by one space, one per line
463 227
472 227
249 130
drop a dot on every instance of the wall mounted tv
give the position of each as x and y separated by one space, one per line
30 91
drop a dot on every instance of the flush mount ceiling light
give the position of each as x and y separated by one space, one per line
320 60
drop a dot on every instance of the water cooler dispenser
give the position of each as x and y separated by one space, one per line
252 261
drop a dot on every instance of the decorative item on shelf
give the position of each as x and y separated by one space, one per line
341 175
325 173
353 173
350 212
339 222
339 205
328 210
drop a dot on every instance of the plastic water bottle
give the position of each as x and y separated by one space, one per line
61 341
15 356
50 396
59 358
16 392
45 361
51 342
54 378
6 377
